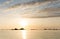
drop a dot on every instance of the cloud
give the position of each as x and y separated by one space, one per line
45 13
48 3
29 2
5 3
39 9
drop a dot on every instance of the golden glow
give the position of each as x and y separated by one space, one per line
24 34
23 23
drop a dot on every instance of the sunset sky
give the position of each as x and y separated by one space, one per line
37 13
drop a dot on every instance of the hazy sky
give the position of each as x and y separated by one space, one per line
40 13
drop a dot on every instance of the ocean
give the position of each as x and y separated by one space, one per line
29 34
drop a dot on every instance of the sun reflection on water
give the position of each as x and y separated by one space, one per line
23 34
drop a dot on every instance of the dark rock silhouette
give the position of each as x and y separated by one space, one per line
18 29
15 29
22 29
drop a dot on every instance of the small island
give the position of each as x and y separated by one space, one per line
21 29
18 29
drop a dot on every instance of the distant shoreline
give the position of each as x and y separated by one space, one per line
29 29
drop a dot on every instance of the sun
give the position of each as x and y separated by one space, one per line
23 23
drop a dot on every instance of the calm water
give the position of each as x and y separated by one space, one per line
29 34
